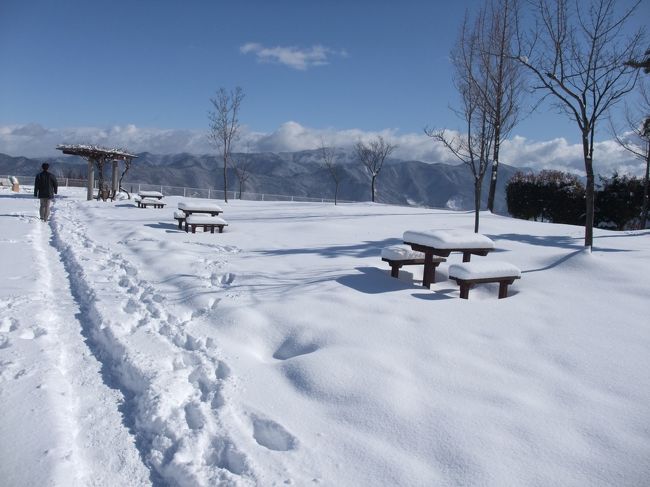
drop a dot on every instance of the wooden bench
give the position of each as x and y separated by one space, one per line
207 222
470 273
144 202
401 255
179 216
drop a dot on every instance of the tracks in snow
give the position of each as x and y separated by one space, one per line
173 383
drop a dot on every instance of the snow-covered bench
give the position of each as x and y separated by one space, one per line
144 202
150 194
179 216
190 207
469 273
442 243
205 221
400 255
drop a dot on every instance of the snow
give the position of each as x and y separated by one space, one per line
199 206
449 239
401 252
483 269
150 194
283 353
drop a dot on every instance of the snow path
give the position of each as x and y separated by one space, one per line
172 407
69 405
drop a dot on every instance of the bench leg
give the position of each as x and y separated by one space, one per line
212 229
220 228
503 288
394 270
180 223
193 228
467 256
464 290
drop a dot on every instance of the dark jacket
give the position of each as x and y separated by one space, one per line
45 185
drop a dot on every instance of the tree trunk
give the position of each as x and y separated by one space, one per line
493 177
336 193
589 192
225 178
373 188
646 195
477 202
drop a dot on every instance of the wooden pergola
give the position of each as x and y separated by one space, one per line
99 156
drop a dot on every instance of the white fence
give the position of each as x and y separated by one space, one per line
134 188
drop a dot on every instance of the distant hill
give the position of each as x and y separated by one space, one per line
297 174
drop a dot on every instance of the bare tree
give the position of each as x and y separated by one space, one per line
224 125
241 164
578 55
473 146
328 156
372 156
505 80
642 64
636 140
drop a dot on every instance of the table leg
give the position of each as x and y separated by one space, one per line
429 274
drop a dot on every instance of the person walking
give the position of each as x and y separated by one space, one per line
45 187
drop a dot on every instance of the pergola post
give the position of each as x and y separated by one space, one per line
114 187
91 179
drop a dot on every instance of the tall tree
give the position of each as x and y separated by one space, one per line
224 126
505 80
578 54
241 164
372 156
328 157
635 138
473 146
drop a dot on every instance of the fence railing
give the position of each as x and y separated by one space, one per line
187 192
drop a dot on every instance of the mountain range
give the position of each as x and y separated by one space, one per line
295 174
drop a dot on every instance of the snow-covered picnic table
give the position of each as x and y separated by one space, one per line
155 202
442 243
190 207
150 194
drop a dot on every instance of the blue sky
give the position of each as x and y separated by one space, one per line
318 65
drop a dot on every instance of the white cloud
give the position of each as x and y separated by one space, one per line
561 155
33 140
294 57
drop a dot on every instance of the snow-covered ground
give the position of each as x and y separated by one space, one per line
281 352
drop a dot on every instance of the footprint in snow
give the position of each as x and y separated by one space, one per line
225 455
32 333
293 347
222 279
8 324
131 306
223 371
272 435
194 417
